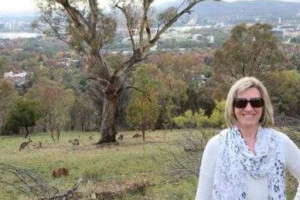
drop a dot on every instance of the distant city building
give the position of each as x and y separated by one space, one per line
211 39
197 36
18 78
286 30
69 62
277 32
193 21
2 45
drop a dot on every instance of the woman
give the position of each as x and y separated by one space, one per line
248 160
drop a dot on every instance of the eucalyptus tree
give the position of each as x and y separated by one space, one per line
250 51
87 29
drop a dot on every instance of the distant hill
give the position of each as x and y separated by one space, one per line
243 10
18 14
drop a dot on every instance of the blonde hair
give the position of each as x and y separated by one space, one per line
267 118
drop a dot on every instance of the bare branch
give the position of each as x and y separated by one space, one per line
100 80
29 182
170 22
75 15
57 34
180 6
129 28
139 90
87 33
93 16
134 59
145 22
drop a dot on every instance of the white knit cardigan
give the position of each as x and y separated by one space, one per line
257 188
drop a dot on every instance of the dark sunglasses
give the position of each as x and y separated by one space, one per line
242 102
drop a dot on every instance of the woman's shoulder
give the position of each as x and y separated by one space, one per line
278 134
214 141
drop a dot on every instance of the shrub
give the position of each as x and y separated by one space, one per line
199 119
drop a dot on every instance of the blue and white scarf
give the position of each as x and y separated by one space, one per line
235 161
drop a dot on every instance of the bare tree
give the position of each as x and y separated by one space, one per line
87 29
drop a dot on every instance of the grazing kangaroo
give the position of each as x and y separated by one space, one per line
136 135
121 137
59 172
190 149
37 145
75 142
24 144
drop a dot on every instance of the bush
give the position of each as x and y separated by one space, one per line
217 119
180 121
24 114
200 120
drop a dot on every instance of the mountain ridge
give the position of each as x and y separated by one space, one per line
242 10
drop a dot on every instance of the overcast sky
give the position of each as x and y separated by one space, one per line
29 5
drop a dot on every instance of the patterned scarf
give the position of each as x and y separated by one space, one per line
235 161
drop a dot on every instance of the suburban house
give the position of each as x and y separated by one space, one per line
18 78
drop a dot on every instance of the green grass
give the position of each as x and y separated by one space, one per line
131 160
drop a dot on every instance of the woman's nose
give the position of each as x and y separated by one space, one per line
248 106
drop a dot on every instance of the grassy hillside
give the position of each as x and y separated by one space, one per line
132 161
132 164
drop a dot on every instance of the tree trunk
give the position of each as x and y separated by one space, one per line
27 132
143 132
58 132
82 127
108 129
45 128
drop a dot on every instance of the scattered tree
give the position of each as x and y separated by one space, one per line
285 91
250 51
82 114
8 96
143 108
24 114
55 102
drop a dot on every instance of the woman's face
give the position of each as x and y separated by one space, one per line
248 115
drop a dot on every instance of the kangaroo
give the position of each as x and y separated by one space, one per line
190 149
136 135
24 144
121 137
91 137
37 145
75 142
56 173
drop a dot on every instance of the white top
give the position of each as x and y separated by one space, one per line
257 188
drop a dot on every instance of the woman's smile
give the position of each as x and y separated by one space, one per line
248 116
